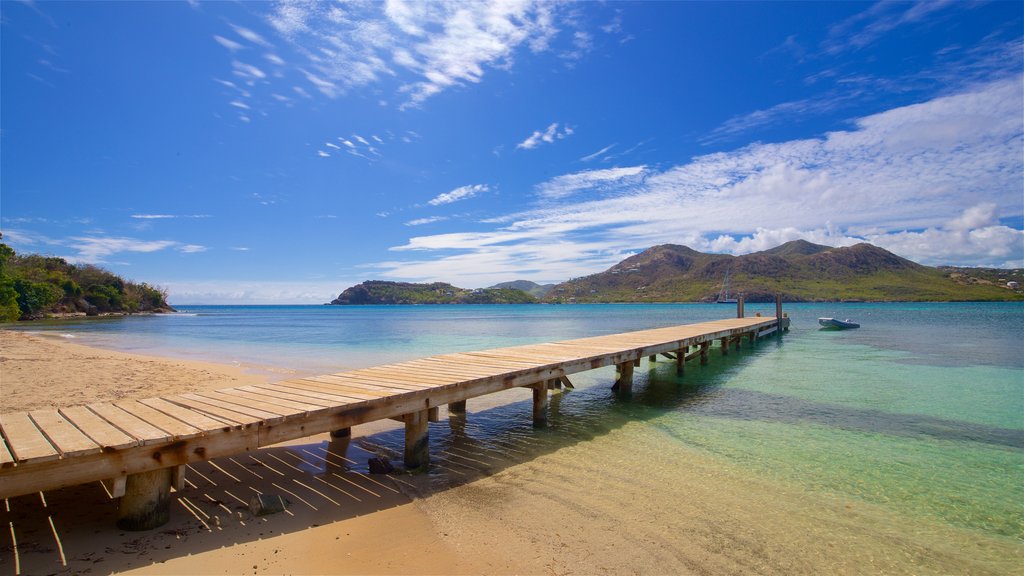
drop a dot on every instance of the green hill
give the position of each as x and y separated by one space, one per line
381 292
34 286
531 288
799 271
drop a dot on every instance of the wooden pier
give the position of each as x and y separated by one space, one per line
139 448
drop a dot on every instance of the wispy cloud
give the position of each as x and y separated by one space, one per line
460 193
167 216
427 220
600 152
930 181
428 47
611 179
231 45
548 136
881 18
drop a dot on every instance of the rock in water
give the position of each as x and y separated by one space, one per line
380 466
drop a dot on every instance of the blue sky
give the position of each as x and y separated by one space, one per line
280 152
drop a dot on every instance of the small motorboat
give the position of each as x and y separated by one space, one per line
834 324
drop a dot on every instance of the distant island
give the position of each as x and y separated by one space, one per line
34 286
800 271
380 292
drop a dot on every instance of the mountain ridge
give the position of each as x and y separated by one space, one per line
799 271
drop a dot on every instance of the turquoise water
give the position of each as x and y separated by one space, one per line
919 412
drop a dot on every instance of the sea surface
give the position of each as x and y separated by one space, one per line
906 434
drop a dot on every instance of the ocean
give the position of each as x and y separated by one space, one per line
897 447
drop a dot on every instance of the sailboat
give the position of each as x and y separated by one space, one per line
723 296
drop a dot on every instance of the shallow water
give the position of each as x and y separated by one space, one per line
897 447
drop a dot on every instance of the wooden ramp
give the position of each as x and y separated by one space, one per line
134 445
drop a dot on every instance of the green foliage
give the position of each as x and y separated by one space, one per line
9 310
32 286
380 292
34 298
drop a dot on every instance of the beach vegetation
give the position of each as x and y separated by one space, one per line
34 286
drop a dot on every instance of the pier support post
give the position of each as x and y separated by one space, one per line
737 340
681 360
704 347
652 359
540 405
778 308
417 440
725 346
458 407
739 307
752 336
146 503
625 382
341 433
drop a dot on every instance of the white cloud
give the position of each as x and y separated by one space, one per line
94 249
167 216
231 45
460 193
611 178
929 181
600 152
250 36
549 136
192 248
427 220
239 104
247 71
322 154
429 46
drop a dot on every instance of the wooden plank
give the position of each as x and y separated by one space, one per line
26 441
320 391
399 387
175 427
311 404
5 455
411 373
264 403
360 392
230 404
141 430
347 377
385 375
421 378
218 412
187 415
63 434
103 433
59 473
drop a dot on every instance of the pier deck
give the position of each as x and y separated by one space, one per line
139 448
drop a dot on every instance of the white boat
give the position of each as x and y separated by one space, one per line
835 324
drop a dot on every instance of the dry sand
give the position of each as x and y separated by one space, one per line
354 524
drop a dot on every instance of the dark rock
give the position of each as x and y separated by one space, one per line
380 466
